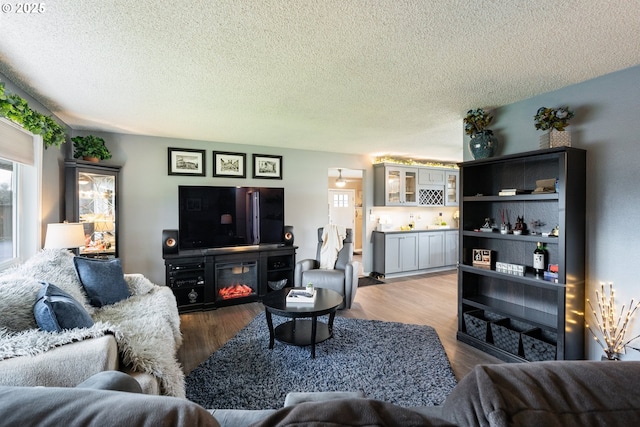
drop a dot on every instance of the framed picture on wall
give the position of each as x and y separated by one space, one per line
265 166
230 165
184 161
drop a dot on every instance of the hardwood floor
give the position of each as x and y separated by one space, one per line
428 299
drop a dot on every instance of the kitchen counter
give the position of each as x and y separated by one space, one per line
416 230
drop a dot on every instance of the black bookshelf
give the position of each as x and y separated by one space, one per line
552 307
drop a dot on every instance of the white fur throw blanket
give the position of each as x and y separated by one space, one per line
146 325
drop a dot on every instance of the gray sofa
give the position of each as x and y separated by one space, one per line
565 393
138 334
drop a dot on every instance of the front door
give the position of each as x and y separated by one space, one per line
342 210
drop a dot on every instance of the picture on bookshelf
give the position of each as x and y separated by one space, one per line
482 258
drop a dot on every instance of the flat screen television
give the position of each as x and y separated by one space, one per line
215 217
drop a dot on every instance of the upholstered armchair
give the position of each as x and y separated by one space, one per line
343 278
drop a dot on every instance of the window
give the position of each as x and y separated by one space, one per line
340 200
7 214
20 193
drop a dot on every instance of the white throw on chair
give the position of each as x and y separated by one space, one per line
341 274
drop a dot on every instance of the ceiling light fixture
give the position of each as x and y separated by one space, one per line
340 181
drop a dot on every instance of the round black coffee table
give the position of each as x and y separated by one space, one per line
300 331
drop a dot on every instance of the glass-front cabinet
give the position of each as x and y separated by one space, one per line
395 185
451 190
91 197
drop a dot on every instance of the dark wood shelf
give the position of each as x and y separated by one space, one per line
516 198
529 279
521 312
521 238
489 348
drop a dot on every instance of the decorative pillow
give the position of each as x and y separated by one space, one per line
103 280
55 310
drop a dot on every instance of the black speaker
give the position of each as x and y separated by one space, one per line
288 235
169 242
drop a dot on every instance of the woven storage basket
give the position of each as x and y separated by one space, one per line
476 322
506 334
539 345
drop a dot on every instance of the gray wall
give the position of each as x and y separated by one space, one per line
607 125
149 196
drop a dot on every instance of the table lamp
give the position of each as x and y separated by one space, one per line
66 235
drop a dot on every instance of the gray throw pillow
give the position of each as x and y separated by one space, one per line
56 310
103 280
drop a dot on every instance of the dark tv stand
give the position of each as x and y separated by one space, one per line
210 278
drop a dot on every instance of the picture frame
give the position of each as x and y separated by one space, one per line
185 161
483 258
229 165
267 166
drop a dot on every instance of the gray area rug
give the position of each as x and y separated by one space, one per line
394 362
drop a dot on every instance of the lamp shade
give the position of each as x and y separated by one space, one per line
64 235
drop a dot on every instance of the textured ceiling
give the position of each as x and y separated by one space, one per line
356 76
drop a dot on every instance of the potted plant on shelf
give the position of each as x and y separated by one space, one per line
483 143
554 120
91 148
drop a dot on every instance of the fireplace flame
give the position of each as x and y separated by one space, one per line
235 291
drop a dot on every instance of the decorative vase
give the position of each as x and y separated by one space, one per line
555 138
483 145
610 356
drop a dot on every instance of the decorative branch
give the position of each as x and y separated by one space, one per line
612 330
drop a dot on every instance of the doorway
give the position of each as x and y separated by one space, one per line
345 204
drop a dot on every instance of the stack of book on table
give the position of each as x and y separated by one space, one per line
301 296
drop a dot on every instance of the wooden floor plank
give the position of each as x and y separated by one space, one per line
428 299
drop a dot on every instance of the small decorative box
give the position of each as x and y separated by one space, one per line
515 269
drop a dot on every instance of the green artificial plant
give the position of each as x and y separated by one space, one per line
553 118
477 121
16 109
90 146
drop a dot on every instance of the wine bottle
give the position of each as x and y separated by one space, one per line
539 259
